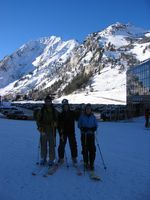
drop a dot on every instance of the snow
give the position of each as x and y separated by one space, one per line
137 31
20 62
33 62
116 40
115 96
125 148
88 56
112 54
139 51
124 29
109 87
147 34
113 79
93 98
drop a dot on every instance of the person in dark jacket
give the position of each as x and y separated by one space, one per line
147 114
46 124
66 124
88 125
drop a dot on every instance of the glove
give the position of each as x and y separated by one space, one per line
41 130
84 129
42 133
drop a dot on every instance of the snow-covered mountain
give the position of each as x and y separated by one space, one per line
34 64
96 68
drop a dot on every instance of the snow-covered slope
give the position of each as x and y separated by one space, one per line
109 87
96 68
134 40
125 148
34 64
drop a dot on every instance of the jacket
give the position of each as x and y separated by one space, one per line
46 118
87 123
66 122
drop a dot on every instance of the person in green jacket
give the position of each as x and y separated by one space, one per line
46 124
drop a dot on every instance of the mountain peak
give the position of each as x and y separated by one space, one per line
51 39
124 29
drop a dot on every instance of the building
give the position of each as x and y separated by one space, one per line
138 88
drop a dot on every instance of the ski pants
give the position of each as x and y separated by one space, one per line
88 148
72 144
48 143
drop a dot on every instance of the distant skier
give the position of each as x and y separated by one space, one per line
66 124
88 125
147 114
46 123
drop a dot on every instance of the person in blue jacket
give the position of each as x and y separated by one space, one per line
88 125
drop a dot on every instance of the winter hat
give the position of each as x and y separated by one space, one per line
48 98
65 101
88 106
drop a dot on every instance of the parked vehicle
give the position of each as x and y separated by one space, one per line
17 115
6 110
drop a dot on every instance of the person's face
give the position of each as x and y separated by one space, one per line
88 110
48 102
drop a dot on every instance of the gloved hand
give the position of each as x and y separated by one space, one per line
84 129
42 133
41 130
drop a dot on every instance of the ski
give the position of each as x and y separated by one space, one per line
94 176
51 170
39 170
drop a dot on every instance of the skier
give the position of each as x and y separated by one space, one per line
46 123
147 114
66 124
88 125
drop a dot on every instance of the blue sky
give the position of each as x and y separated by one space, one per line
24 20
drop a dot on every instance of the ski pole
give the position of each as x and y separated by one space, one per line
100 153
38 152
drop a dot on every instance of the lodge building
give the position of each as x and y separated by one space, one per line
138 88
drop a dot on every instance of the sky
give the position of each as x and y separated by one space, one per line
25 20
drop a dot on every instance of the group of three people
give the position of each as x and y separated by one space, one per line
48 120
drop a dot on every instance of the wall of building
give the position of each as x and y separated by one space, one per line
138 88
